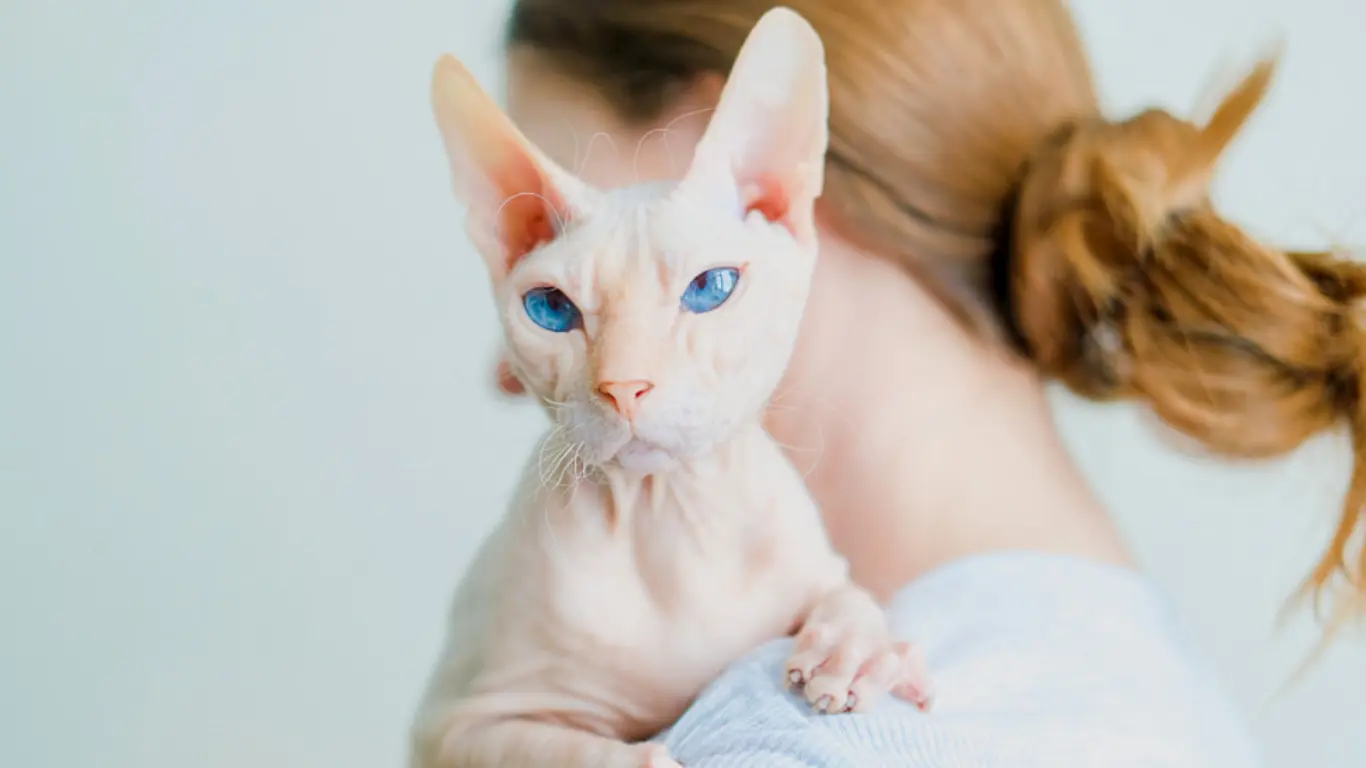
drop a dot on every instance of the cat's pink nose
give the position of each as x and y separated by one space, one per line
625 396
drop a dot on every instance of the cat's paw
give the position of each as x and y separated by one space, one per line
845 669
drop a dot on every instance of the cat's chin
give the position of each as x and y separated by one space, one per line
640 457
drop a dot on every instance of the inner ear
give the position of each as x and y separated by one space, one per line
527 223
530 211
517 199
529 218
768 137
769 198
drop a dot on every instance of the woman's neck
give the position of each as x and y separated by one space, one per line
921 443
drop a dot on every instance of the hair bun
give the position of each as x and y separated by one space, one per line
1125 282
1100 202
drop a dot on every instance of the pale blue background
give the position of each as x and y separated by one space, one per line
246 439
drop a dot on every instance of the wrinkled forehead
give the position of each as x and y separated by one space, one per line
634 250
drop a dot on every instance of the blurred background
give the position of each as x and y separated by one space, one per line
247 435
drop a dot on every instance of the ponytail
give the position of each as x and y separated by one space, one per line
1123 281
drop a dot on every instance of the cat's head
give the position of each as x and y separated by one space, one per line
653 320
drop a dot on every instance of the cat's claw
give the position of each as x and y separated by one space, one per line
846 671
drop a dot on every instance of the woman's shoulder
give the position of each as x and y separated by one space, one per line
1038 659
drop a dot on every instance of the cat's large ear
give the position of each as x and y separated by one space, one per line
765 145
517 198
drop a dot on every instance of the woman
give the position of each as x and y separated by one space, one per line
981 226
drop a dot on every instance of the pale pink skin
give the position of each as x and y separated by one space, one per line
655 539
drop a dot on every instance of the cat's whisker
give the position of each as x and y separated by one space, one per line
581 468
588 151
664 131
811 398
547 444
565 464
575 134
545 509
568 465
568 472
578 468
550 478
819 450
577 162
547 483
560 221
794 391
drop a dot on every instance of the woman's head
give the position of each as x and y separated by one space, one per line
966 145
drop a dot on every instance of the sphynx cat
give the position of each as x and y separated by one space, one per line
658 533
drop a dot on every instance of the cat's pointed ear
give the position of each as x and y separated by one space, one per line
765 145
517 198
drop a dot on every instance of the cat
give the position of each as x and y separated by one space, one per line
658 533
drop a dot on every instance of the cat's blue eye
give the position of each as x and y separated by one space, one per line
551 309
710 289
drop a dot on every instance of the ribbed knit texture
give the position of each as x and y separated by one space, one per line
1039 661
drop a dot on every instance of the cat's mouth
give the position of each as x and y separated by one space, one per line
641 456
